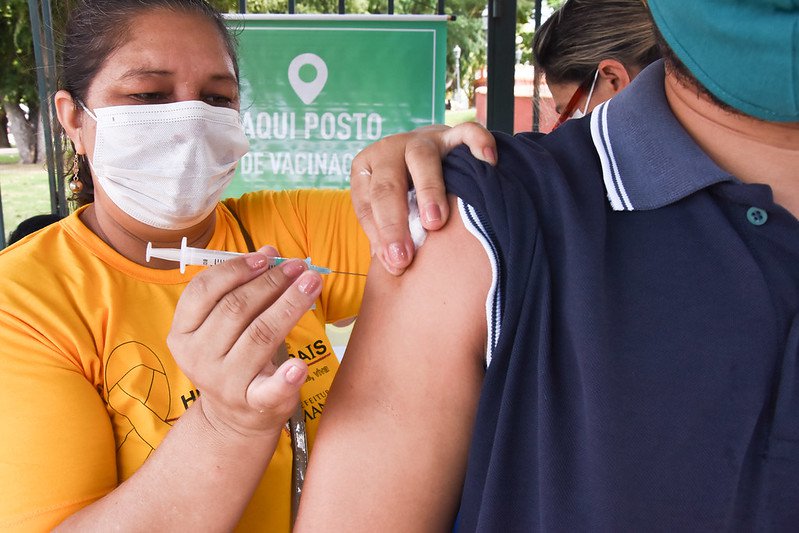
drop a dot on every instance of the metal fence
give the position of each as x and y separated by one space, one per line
500 62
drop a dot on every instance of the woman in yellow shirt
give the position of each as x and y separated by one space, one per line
101 427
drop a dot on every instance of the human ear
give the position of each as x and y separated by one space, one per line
614 74
70 118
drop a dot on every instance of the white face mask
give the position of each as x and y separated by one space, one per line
580 113
166 165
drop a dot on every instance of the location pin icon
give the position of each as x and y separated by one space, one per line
307 90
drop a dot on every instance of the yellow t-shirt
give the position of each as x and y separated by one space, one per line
88 388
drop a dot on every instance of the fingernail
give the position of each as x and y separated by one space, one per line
293 268
432 213
309 284
490 155
267 250
256 261
295 374
397 254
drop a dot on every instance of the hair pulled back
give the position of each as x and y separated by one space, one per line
571 43
96 29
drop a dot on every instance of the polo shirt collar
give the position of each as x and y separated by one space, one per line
648 159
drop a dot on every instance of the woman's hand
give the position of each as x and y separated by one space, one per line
228 331
229 324
379 181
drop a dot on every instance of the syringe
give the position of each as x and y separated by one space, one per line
186 255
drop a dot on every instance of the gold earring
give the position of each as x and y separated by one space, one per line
75 184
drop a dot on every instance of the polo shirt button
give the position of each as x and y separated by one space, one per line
756 216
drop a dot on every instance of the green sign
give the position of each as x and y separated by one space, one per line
315 90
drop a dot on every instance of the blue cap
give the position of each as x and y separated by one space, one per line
745 52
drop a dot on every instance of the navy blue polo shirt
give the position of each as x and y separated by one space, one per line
642 362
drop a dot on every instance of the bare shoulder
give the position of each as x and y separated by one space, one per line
451 274
434 314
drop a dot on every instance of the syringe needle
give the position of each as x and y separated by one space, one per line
347 273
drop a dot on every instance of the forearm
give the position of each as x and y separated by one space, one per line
198 478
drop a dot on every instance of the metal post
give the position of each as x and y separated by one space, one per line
390 7
457 53
501 68
44 52
537 77
460 100
292 7
440 7
341 8
242 6
55 128
2 225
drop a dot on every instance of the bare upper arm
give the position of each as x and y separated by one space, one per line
392 446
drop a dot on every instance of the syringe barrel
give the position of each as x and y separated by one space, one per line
201 256
198 256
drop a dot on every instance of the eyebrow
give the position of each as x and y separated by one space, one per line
143 72
146 72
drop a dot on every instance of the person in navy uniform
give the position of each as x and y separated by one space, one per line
605 334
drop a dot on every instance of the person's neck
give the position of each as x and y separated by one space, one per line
133 244
752 150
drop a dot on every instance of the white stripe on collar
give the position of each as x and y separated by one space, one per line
614 186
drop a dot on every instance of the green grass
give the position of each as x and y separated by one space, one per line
8 159
25 191
453 118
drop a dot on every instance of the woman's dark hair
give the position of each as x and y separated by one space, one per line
571 43
96 28
31 225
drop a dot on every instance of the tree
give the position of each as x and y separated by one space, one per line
18 84
466 30
4 142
